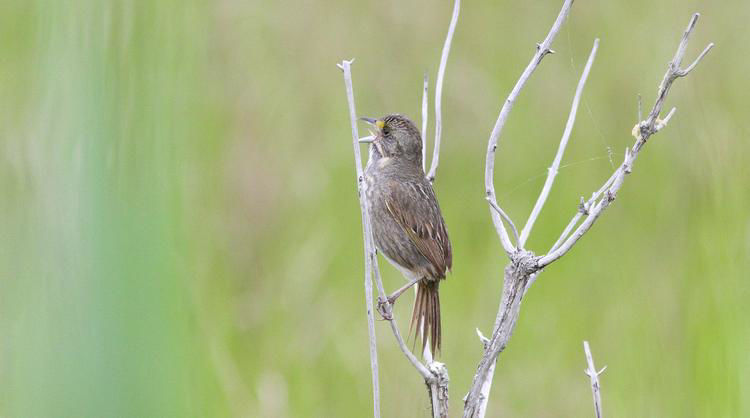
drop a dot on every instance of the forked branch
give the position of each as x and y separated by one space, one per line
542 49
593 375
643 130
439 92
475 403
524 266
552 171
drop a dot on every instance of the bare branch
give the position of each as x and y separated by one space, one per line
674 71
687 70
517 275
552 173
439 91
505 217
487 385
642 132
489 179
424 122
594 376
346 68
583 209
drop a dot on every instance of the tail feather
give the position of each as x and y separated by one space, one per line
426 315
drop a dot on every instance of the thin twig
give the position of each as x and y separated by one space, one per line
505 217
594 377
552 173
642 132
425 115
583 209
439 91
346 68
489 180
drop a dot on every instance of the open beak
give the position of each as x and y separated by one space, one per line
370 138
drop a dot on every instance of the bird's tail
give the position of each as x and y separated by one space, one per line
426 314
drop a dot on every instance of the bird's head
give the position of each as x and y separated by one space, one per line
396 136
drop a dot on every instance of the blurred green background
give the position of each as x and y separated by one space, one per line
180 233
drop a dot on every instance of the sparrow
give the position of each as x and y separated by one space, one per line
407 225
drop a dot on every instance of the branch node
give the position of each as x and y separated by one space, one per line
627 165
545 51
594 377
341 64
485 341
661 123
525 262
583 207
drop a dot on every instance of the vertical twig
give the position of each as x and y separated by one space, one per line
439 92
552 172
594 377
345 66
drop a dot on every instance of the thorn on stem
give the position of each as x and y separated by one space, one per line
582 207
485 341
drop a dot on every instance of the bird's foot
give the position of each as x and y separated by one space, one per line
385 307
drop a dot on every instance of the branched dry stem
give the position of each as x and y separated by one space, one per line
524 266
552 171
542 49
439 91
593 375
642 131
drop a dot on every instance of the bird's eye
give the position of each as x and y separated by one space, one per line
386 130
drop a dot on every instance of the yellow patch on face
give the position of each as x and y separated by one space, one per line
379 124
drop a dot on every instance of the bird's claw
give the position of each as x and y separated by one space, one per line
384 308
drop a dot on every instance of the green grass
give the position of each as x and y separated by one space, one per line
180 236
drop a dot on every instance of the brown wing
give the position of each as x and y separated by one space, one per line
414 207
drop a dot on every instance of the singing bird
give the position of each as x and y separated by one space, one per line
407 225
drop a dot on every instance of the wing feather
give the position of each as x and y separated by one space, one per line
415 209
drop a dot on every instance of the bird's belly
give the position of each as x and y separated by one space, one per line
408 274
